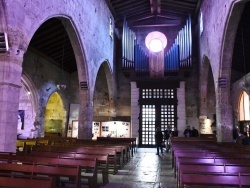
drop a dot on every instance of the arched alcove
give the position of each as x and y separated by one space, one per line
26 113
27 107
101 97
55 115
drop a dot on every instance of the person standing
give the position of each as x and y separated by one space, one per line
235 134
174 133
194 132
158 140
245 139
187 132
167 133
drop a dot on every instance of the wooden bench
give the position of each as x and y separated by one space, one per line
102 160
27 145
210 160
213 181
211 169
111 140
122 150
20 146
113 162
24 181
193 139
218 155
53 166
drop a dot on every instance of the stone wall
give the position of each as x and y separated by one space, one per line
216 45
87 24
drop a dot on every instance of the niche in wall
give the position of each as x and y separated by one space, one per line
55 115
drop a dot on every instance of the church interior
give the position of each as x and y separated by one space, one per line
79 75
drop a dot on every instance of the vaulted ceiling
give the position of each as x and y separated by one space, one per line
52 42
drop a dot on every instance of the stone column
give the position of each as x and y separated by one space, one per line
224 116
10 86
181 108
135 110
85 116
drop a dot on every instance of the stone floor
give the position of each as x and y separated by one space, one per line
145 170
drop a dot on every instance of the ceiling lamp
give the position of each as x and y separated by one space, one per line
156 41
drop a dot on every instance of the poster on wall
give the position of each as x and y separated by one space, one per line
115 129
105 129
112 129
123 130
95 130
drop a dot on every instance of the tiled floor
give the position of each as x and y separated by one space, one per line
145 170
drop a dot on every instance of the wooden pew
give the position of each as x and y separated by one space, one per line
218 155
211 160
131 141
102 160
53 166
28 145
24 181
114 159
42 170
122 149
211 169
213 181
20 146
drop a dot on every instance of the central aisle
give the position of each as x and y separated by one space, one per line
145 170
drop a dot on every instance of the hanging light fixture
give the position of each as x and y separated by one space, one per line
156 41
62 86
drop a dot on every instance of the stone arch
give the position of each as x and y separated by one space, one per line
224 106
207 96
204 69
111 87
85 94
104 92
77 45
85 110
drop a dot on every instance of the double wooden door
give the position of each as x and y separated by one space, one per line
158 108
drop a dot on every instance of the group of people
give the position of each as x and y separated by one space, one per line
188 132
240 138
166 136
191 133
160 137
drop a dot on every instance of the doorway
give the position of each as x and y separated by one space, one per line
158 108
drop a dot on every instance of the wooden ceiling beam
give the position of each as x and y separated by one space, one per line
155 7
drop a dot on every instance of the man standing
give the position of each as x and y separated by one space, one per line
158 140
235 134
187 132
194 132
167 133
